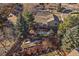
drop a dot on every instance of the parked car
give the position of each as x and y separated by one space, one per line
67 11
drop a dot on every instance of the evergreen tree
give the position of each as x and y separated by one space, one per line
22 26
70 38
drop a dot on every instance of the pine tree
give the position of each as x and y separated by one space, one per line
70 39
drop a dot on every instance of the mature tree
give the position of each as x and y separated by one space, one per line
71 39
70 32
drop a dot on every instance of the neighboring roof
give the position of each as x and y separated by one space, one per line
73 53
13 18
